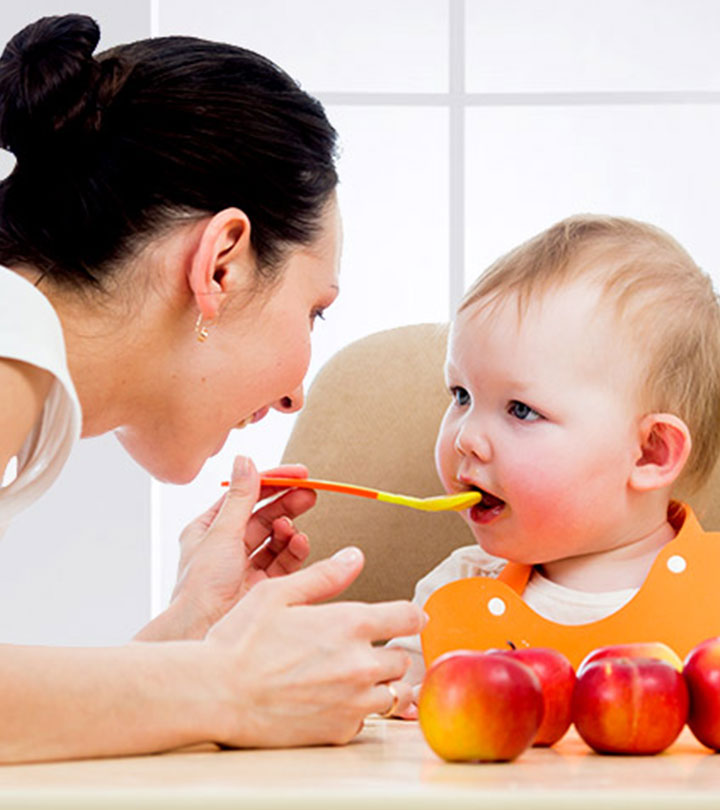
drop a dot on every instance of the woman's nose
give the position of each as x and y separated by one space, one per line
291 402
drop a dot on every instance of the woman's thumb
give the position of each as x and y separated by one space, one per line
323 579
240 500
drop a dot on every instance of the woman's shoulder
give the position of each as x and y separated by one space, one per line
32 353
23 391
30 330
40 415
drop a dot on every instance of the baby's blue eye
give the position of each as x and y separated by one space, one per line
460 395
522 411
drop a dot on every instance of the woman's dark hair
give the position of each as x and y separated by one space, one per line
112 149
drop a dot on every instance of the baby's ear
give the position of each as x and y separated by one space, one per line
664 448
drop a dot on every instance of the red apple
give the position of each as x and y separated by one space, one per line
475 706
641 649
629 705
702 676
557 678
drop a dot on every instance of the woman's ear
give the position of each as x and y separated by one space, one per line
664 448
222 252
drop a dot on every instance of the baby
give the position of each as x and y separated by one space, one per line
584 369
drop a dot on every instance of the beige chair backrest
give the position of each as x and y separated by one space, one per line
371 418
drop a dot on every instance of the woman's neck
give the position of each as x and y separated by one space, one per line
99 344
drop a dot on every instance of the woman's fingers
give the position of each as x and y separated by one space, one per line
285 551
396 700
386 620
291 558
241 497
327 578
321 580
392 694
410 712
393 663
290 505
286 471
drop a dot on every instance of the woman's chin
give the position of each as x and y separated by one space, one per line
178 473
174 476
162 466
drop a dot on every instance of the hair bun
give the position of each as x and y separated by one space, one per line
47 78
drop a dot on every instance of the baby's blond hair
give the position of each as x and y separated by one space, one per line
664 303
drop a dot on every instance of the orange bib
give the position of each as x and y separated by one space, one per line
678 604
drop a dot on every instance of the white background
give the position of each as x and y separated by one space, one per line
465 127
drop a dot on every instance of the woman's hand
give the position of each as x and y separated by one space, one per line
229 549
301 673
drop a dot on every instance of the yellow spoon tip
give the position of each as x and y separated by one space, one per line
438 503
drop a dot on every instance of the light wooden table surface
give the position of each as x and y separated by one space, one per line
387 766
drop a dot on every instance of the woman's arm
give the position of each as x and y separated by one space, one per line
66 703
276 671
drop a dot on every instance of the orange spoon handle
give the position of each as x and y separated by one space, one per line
314 483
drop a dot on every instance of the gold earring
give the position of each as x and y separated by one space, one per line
201 329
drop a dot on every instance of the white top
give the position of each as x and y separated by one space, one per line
30 331
553 601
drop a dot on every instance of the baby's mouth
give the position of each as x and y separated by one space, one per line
489 501
489 507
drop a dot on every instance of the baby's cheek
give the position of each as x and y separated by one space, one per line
534 489
445 462
539 501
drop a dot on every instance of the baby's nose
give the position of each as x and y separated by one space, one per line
471 442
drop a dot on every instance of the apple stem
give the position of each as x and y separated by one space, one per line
511 645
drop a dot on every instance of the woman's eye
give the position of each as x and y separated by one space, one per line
460 395
522 411
317 313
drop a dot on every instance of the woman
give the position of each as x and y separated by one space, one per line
168 236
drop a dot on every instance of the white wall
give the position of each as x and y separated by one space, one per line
465 127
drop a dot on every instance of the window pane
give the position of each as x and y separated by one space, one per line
376 45
567 45
531 166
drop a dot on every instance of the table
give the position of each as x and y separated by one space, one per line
387 766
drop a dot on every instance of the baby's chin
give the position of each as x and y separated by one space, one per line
505 549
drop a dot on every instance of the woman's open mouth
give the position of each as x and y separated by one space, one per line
254 417
489 508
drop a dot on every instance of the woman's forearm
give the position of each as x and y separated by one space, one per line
181 620
63 703
276 670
